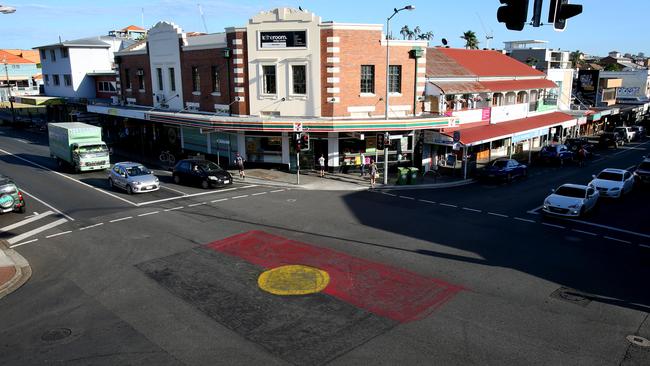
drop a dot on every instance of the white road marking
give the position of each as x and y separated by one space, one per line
46 204
553 225
26 221
584 232
90 226
258 194
389 194
497 214
525 220
534 211
148 213
407 198
195 195
23 243
122 219
448 205
197 204
597 160
277 190
57 234
421 200
174 209
619 240
70 178
644 246
471 209
26 235
611 228
236 197
220 200
173 190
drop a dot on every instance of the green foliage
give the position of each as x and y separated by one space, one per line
471 41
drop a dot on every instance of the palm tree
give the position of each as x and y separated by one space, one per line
427 36
471 42
576 58
416 31
405 31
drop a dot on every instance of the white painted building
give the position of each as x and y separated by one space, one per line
636 84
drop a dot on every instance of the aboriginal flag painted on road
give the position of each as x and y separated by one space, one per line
362 300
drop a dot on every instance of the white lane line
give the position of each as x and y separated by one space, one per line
497 214
174 209
644 246
197 204
195 195
553 225
427 201
277 190
407 198
173 190
584 232
148 213
46 204
597 160
26 235
471 209
26 221
57 234
611 228
258 194
236 197
90 226
448 205
122 219
389 194
220 200
524 220
619 240
23 243
70 178
534 211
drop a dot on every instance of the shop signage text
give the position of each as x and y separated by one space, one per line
284 39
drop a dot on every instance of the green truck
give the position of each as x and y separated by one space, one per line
78 145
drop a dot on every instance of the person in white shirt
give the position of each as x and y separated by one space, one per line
321 163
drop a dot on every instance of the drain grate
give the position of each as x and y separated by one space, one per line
573 296
56 334
639 341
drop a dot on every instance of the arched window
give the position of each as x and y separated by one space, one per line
522 97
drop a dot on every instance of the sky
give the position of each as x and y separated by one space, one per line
602 27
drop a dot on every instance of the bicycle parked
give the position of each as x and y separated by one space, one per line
166 157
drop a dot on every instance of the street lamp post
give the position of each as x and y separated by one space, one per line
387 103
11 101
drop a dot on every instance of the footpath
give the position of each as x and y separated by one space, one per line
14 270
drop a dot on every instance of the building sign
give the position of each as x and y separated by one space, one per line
629 92
436 138
587 89
284 39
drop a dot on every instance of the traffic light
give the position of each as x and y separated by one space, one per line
560 11
296 142
380 141
514 13
304 142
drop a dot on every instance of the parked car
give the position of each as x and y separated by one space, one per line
556 153
507 169
639 131
571 200
627 132
11 198
574 145
642 171
613 139
613 182
132 177
200 172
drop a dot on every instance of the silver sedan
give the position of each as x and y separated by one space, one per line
132 177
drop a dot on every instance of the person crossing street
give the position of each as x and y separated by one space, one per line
239 161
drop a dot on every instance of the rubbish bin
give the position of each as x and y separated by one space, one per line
402 176
413 175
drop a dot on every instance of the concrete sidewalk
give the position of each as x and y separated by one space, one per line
14 270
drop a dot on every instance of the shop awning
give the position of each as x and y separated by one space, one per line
460 87
518 127
39 100
511 85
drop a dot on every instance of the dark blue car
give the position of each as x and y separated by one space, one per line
556 154
507 169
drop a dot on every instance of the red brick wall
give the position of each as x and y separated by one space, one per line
327 108
133 63
101 94
241 108
204 60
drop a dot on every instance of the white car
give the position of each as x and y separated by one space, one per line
628 132
571 200
613 182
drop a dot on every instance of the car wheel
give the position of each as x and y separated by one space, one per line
582 212
524 174
129 190
22 209
205 184
509 178
177 179
110 183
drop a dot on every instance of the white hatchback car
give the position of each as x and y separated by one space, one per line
571 200
613 182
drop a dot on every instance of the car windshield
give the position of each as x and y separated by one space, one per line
571 192
8 188
500 164
644 166
208 166
617 177
135 171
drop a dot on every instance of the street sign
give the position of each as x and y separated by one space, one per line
297 127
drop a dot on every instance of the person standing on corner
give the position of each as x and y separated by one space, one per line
373 173
239 161
321 163
363 164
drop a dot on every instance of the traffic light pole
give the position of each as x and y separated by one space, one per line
386 144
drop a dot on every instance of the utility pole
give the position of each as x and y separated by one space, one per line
11 99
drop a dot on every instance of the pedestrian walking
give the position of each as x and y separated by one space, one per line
582 154
239 161
321 164
373 173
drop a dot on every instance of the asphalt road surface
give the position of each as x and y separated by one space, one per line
468 275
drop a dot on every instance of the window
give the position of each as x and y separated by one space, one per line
395 79
299 75
160 78
127 78
55 80
216 82
106 86
172 79
43 55
141 79
46 79
64 53
53 55
196 79
268 74
368 79
67 80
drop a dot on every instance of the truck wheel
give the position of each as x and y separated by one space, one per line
129 190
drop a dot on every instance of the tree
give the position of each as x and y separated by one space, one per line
416 31
576 59
427 36
405 32
471 42
613 67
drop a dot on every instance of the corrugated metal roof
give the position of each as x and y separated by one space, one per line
441 65
485 63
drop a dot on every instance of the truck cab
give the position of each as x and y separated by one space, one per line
90 156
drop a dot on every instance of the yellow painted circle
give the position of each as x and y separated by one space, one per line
293 280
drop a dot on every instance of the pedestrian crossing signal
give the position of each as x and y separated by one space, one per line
304 142
380 141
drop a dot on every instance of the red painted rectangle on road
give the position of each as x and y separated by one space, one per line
384 290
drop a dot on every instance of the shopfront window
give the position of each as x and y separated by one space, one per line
262 148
